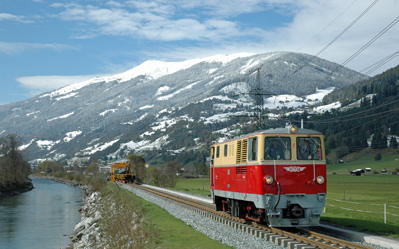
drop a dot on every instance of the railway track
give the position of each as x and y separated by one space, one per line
293 238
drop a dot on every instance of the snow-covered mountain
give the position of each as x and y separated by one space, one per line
137 110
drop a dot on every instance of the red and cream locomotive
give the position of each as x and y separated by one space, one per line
275 176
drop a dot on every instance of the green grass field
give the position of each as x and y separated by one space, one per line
366 159
174 233
198 186
358 202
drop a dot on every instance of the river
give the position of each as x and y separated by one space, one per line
41 218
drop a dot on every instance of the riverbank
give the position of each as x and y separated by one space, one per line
42 218
81 233
87 188
16 189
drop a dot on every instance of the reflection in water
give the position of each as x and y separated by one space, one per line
40 218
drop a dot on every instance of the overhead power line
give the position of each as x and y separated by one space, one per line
326 26
379 63
338 36
375 38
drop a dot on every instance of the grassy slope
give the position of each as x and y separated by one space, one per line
365 159
174 233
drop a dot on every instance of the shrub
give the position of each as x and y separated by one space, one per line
377 157
123 222
78 178
98 182
394 172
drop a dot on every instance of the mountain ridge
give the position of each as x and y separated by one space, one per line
98 118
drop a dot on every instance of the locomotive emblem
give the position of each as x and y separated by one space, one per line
294 169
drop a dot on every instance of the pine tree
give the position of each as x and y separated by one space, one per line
393 143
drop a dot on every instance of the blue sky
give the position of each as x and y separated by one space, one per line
47 44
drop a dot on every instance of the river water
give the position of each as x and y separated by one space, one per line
41 218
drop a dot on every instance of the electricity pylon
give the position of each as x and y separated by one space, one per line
259 111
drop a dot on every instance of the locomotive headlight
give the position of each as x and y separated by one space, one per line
320 180
268 179
294 129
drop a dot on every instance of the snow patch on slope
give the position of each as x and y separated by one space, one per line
162 90
253 62
46 144
98 147
325 108
61 117
178 91
23 147
67 96
105 112
71 135
146 107
152 69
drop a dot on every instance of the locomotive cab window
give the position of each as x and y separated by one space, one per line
309 148
217 151
277 148
253 149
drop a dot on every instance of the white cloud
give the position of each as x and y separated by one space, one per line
47 83
17 48
151 20
305 19
10 17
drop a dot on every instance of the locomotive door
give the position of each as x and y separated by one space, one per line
212 166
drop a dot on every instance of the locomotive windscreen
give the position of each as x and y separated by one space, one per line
309 148
277 148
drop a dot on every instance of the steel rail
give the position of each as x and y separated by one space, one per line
311 238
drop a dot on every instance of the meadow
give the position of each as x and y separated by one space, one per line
358 201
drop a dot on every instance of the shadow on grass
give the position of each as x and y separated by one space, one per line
365 226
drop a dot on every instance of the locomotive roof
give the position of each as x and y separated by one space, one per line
281 130
285 130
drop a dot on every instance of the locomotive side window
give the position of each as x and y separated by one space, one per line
217 151
309 148
277 148
253 149
225 150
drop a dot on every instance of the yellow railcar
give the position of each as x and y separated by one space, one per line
122 172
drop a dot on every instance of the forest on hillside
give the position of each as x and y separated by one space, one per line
376 117
345 131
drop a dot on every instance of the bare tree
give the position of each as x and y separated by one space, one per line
168 174
14 169
138 166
